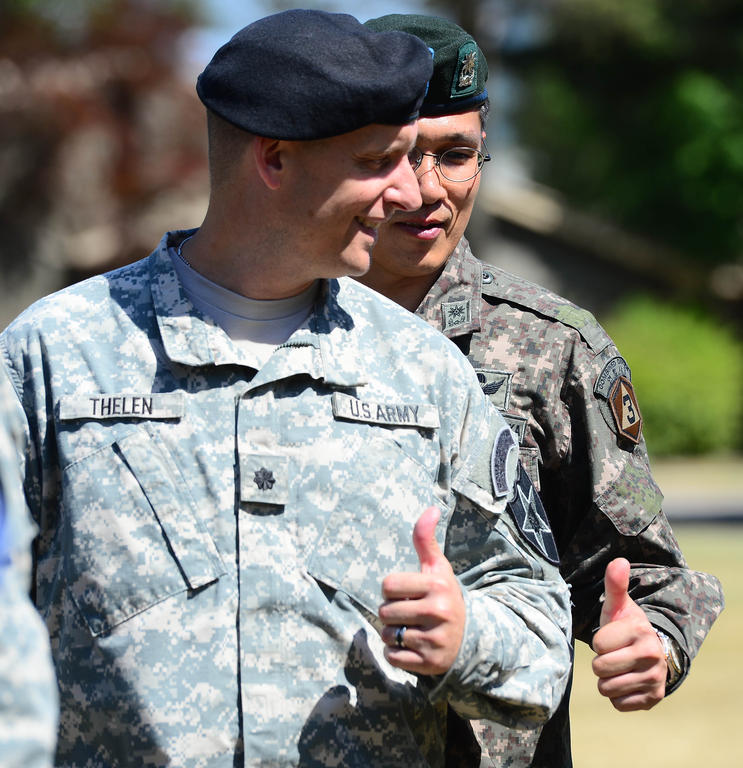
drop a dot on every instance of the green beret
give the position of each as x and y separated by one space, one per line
307 74
459 66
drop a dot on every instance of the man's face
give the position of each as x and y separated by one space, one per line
418 244
343 189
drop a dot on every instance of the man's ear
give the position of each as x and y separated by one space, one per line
268 156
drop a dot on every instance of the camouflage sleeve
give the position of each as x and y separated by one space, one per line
606 488
28 691
515 656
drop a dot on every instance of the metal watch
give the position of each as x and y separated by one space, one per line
673 658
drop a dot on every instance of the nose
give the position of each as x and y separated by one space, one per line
429 180
404 192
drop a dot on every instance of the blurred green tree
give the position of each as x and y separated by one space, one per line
633 110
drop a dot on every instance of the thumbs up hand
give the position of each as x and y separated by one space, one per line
630 663
429 605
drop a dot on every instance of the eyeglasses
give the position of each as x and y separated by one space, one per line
455 164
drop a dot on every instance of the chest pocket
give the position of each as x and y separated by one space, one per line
369 534
132 534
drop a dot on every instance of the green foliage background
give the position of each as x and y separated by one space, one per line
633 110
687 370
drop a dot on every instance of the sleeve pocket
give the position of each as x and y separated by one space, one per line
132 534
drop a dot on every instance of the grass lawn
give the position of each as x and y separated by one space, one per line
697 726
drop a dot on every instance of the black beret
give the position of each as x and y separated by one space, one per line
459 66
306 74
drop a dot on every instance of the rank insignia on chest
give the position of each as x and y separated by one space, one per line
531 519
618 403
496 385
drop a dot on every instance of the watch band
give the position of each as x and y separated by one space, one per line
673 658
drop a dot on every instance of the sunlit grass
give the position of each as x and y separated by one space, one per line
698 725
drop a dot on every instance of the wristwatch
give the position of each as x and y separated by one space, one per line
673 658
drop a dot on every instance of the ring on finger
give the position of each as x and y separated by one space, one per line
400 636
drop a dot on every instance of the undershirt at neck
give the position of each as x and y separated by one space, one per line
257 327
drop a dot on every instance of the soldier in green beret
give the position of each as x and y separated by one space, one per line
566 392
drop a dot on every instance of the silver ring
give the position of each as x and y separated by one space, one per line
400 637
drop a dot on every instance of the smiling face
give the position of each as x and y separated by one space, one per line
414 246
341 191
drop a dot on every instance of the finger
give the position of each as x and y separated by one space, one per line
424 540
408 636
635 702
616 590
405 586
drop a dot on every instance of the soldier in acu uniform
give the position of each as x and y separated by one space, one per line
273 531
567 393
28 691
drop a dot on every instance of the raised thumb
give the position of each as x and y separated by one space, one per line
616 586
424 539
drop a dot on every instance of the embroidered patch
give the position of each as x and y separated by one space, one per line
518 426
615 368
504 462
125 405
264 479
455 313
496 385
618 404
391 414
531 519
625 409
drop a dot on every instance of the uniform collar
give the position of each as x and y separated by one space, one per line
324 347
453 303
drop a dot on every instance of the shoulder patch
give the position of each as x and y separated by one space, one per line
531 519
496 385
618 402
504 462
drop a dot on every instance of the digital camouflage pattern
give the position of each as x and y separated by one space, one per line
28 691
539 357
213 538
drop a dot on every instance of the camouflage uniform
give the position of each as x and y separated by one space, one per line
549 366
28 691
213 538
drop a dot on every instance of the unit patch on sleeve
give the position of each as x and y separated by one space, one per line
531 519
504 462
496 385
618 402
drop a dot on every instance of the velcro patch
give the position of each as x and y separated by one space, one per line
163 405
390 414
625 409
496 385
455 313
518 425
531 519
619 405
504 462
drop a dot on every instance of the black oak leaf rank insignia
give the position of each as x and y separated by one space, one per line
531 519
264 479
